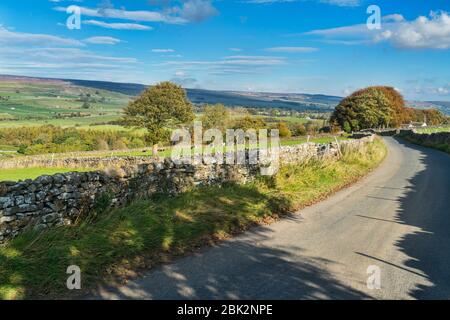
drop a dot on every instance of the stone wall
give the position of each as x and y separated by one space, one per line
61 199
436 139
72 162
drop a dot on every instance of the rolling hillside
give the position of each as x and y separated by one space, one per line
443 106
231 98
62 101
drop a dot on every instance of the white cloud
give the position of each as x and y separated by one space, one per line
343 3
163 50
196 10
11 38
432 32
291 49
48 55
340 3
393 18
139 15
102 40
180 73
189 11
230 65
117 26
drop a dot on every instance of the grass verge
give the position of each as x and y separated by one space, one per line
149 232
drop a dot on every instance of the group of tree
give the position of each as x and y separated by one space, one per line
162 107
51 139
87 100
376 107
430 116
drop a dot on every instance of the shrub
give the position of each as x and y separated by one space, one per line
247 122
299 130
215 117
285 132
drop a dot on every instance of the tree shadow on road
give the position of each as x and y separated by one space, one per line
239 269
426 206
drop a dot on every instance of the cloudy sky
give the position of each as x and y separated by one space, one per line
310 46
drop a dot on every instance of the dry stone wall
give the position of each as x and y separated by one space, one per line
439 138
62 199
73 162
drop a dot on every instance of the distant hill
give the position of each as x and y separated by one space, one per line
299 102
296 101
443 106
231 98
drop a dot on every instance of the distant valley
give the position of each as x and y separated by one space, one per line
292 101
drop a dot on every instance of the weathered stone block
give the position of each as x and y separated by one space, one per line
49 218
7 219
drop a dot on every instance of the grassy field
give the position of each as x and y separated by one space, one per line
32 104
292 120
91 122
32 173
300 140
433 130
40 103
149 232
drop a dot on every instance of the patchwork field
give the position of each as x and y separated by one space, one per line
57 103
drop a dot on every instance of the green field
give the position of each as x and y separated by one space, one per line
433 130
293 120
91 122
59 103
32 173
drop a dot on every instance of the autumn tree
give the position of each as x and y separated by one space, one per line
157 109
248 122
430 116
371 107
216 117
284 130
299 129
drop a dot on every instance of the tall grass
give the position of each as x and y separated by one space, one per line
148 232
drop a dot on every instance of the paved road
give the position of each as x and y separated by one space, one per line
397 219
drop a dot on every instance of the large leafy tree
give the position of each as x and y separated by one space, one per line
371 107
157 109
399 114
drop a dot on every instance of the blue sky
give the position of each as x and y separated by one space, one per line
309 46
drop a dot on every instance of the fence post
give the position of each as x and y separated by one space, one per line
339 146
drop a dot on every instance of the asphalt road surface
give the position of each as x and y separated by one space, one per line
395 221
